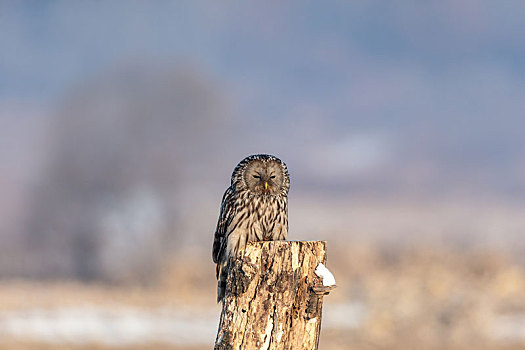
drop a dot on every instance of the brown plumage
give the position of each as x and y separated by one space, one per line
254 208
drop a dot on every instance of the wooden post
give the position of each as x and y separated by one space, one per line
273 297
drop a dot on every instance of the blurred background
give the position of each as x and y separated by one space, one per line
401 124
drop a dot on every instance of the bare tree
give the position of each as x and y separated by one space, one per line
123 146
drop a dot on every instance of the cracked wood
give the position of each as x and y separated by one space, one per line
270 302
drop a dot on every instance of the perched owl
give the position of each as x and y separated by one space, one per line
254 208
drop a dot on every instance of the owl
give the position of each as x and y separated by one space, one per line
254 208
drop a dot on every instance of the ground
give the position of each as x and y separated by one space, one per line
417 297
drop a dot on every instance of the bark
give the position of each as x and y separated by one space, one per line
273 297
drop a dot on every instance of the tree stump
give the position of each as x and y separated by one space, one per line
273 297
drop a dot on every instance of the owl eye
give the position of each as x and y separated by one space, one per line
272 177
257 176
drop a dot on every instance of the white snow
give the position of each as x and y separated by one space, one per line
323 272
180 326
508 328
127 326
120 326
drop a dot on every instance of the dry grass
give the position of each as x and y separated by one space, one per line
40 346
414 298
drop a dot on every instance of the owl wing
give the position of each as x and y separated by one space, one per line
225 218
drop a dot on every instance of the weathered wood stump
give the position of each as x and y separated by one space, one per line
273 297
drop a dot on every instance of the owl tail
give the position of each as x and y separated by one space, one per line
222 276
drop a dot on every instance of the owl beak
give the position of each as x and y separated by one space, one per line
266 185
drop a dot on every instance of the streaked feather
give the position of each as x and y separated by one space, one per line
248 216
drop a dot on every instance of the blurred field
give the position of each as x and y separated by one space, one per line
411 298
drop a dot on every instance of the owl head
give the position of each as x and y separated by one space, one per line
261 174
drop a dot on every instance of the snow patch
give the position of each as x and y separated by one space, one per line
323 272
